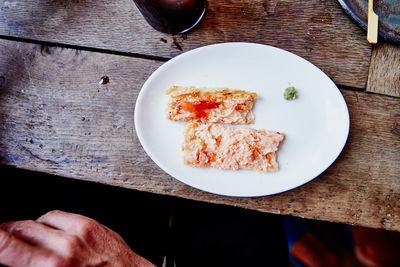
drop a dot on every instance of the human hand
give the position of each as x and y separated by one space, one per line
64 239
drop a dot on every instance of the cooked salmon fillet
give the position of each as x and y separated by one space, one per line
228 147
218 105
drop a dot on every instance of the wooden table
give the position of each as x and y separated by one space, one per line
56 117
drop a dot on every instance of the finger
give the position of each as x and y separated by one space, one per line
69 222
15 252
37 234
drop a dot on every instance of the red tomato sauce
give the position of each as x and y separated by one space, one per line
199 108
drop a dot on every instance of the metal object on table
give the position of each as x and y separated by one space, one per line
387 10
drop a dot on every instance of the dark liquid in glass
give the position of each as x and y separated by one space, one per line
171 16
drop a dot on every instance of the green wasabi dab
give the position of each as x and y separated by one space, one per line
290 93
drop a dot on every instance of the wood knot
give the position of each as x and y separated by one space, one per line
104 79
45 50
396 129
176 44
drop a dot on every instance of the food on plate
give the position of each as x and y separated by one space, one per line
229 147
290 93
218 105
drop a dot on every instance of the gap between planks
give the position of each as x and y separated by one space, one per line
83 48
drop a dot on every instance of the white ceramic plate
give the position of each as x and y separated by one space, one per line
316 124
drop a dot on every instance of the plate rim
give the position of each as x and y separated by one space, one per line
188 53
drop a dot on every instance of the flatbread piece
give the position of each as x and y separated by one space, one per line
217 105
229 147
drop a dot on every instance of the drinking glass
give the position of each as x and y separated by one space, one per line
172 16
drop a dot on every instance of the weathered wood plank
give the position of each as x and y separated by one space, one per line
56 118
318 30
384 71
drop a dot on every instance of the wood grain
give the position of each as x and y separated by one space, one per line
57 118
384 71
318 30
